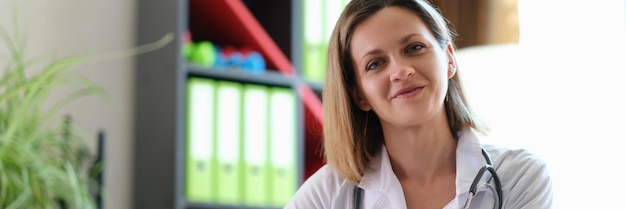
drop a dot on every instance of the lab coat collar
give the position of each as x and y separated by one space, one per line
469 160
381 175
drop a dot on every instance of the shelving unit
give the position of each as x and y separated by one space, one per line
161 77
269 78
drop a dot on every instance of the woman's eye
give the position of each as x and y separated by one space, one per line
414 48
373 65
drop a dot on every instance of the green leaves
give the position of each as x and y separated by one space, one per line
40 167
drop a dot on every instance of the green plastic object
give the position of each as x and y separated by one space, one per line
203 53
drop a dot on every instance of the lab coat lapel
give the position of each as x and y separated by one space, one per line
469 160
381 186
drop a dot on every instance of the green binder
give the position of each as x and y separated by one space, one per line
255 136
200 162
283 138
331 11
228 128
313 54
319 20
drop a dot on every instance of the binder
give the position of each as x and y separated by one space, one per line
228 130
314 56
283 160
255 139
332 10
200 162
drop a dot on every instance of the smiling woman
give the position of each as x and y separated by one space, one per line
388 57
398 130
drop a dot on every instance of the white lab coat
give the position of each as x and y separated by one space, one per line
525 182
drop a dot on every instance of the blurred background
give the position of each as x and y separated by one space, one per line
546 75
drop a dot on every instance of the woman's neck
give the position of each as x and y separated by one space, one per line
421 153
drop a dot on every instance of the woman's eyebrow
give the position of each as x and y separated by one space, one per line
408 37
372 52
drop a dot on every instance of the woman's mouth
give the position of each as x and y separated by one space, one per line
408 92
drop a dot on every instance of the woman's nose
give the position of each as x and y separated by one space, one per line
401 70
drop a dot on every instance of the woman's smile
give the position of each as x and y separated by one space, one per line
408 92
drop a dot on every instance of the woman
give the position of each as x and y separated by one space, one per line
397 129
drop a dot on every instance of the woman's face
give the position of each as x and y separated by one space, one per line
401 71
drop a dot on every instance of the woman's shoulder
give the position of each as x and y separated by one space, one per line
326 176
513 156
524 175
321 189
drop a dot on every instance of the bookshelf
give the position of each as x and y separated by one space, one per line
161 86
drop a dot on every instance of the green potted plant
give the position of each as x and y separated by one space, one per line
40 166
43 165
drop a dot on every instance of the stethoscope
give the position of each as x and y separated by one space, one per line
472 190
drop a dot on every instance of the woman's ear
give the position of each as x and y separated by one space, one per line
451 60
359 100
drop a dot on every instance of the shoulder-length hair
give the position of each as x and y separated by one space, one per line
352 136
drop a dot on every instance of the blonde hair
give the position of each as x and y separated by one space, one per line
352 136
